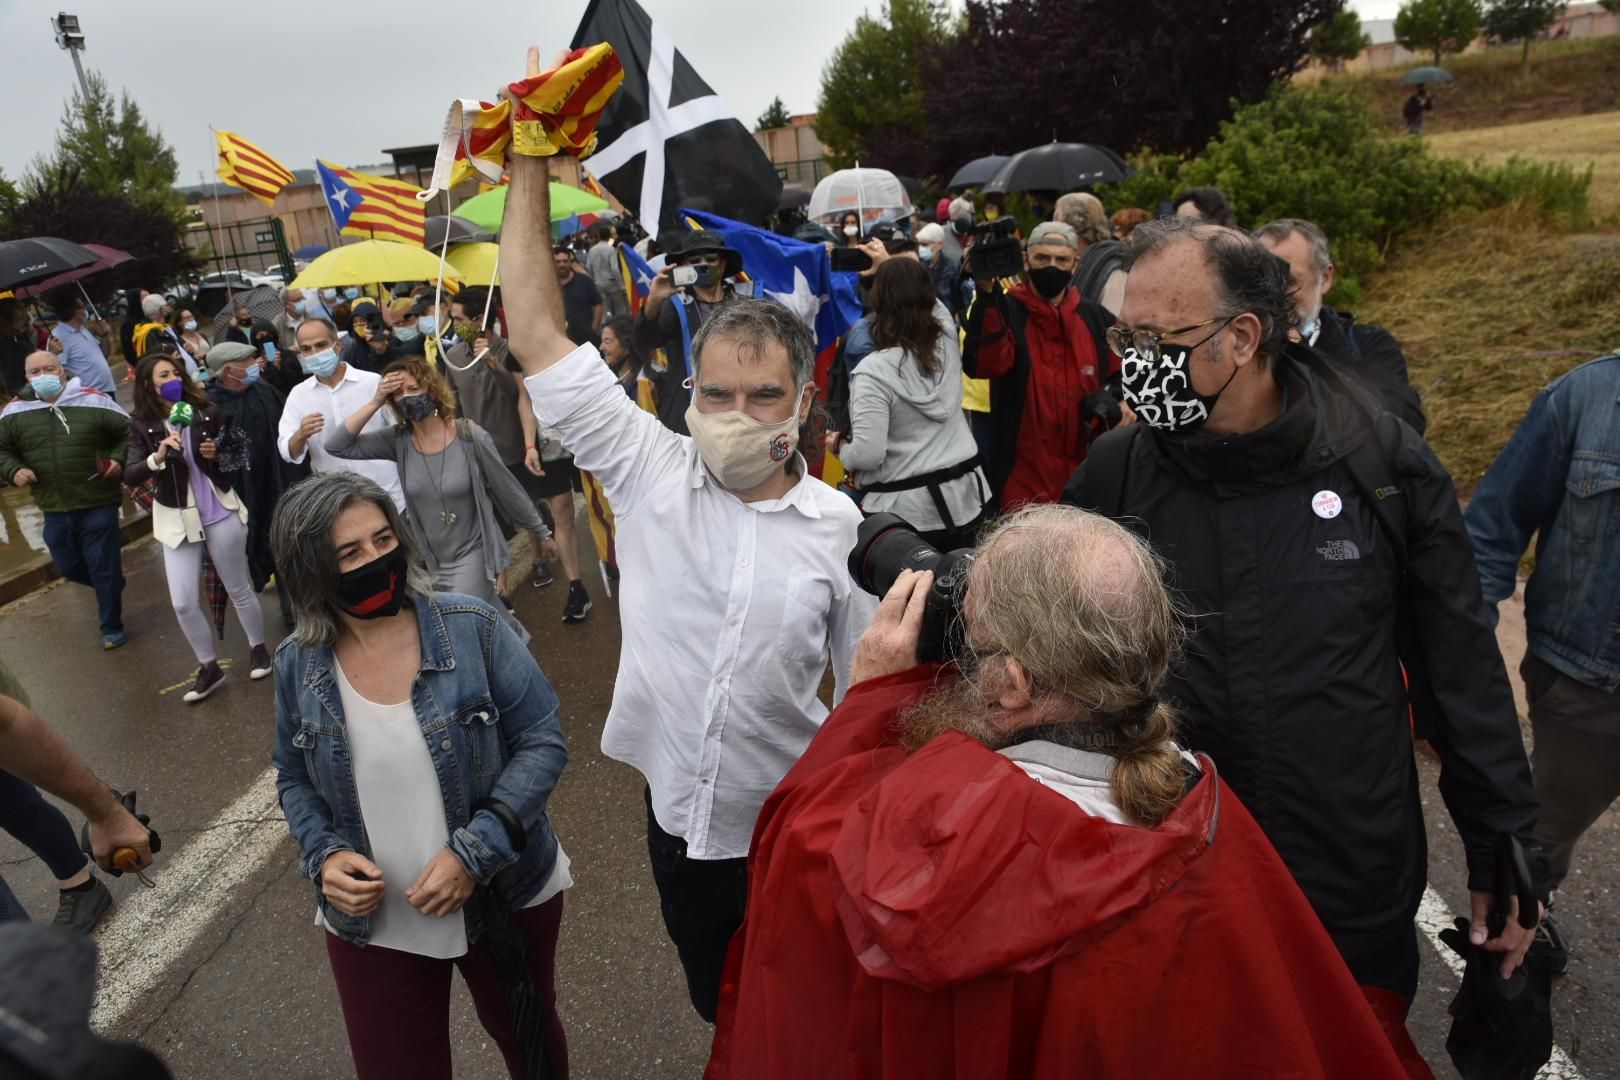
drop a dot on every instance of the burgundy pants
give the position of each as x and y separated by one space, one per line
396 1005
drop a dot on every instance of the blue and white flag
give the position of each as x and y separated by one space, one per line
795 274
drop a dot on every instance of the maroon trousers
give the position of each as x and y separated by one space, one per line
396 1005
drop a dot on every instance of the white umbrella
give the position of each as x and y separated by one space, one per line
875 194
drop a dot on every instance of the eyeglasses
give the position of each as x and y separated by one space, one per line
1122 339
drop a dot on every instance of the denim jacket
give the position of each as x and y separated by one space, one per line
1560 474
490 720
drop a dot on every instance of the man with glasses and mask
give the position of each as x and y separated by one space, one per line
673 314
737 595
1320 545
1041 346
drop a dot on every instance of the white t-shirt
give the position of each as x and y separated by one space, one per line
403 811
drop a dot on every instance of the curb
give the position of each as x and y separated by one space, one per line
42 571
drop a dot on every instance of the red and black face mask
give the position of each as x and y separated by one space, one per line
375 590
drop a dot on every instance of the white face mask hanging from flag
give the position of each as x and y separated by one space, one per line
554 112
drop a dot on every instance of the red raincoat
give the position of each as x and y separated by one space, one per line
943 915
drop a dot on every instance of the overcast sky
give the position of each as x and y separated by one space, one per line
324 78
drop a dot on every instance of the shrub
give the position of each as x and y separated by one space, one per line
1319 153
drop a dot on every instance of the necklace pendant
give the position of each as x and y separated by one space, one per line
447 516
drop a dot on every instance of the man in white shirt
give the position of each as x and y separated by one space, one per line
85 347
736 589
321 402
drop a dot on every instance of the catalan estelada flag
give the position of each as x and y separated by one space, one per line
243 165
554 113
373 206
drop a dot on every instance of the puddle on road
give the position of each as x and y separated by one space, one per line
22 529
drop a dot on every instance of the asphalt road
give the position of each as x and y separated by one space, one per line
229 979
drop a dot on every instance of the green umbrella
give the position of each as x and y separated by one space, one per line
485 210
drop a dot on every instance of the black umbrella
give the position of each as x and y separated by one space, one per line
794 197
1059 167
38 257
1501 1029
462 231
913 186
977 172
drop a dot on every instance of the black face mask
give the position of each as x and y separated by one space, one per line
375 590
1050 281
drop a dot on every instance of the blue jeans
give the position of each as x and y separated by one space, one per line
88 548
42 828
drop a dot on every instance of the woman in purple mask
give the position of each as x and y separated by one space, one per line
181 442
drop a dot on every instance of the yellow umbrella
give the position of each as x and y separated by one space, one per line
475 264
370 262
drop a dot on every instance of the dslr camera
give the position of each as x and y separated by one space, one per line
996 251
884 546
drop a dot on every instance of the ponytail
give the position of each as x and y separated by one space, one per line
1147 781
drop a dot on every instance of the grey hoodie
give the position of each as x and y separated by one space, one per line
904 423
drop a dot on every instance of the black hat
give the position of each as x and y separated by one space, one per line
703 241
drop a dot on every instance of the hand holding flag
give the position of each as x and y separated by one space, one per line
553 112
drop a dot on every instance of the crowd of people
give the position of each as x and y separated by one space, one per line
1121 730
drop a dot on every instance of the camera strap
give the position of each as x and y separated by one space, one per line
933 481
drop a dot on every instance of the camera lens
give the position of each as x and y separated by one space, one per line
884 546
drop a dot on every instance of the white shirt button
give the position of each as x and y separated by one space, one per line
745 562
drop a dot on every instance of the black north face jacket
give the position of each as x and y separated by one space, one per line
1300 586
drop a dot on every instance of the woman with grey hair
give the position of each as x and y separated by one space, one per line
417 746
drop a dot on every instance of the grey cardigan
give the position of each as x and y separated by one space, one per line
496 489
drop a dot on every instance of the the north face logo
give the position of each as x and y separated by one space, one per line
1339 551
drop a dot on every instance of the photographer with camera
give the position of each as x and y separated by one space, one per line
1016 837
683 296
1053 382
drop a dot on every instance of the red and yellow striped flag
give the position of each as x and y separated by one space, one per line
555 113
388 209
243 165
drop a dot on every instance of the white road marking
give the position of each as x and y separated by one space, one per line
152 929
1434 916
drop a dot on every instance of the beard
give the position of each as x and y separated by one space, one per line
959 706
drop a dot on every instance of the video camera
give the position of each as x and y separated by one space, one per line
884 546
996 251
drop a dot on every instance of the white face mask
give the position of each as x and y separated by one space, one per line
852 230
740 451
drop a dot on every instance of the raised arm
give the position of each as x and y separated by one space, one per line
536 326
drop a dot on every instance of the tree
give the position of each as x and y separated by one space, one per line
774 116
113 147
1611 6
1339 38
1437 26
871 104
1521 20
1023 72
56 200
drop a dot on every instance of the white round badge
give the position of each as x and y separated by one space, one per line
1326 504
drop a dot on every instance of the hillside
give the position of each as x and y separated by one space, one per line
1566 78
1489 309
1576 140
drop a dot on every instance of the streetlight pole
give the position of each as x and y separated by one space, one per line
71 38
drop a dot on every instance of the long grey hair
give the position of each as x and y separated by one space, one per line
306 559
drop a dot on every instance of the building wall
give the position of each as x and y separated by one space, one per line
795 151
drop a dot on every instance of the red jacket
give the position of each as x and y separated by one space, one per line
943 915
1043 362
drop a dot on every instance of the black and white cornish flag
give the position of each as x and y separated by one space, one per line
666 140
